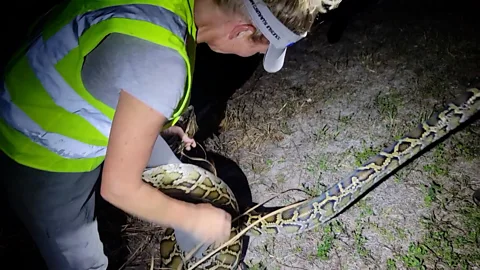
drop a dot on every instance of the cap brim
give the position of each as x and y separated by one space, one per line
274 59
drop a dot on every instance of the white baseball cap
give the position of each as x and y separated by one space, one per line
279 36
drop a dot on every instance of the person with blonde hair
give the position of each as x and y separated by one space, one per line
90 92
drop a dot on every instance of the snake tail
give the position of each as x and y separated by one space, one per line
297 218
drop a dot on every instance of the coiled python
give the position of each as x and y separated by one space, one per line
195 182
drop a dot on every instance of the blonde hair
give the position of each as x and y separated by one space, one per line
296 15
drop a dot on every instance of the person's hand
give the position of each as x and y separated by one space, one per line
176 130
189 142
210 224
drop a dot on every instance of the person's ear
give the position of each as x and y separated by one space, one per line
241 30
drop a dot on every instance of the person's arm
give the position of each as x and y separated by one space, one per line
152 78
134 131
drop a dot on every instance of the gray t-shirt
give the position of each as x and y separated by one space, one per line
154 74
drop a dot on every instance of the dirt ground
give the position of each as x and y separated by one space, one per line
334 105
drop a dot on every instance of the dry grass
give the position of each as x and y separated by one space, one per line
143 239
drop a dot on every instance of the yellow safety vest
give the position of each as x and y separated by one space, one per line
48 120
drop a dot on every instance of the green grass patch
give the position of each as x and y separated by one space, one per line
391 264
451 243
432 193
328 237
365 154
387 104
441 159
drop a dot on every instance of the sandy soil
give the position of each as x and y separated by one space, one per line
332 106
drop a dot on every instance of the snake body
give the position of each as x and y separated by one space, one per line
192 182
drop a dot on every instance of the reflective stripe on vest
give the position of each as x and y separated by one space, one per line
43 61
62 145
40 56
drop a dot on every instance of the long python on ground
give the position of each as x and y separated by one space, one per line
190 181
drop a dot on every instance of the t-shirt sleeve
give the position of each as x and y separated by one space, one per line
154 74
